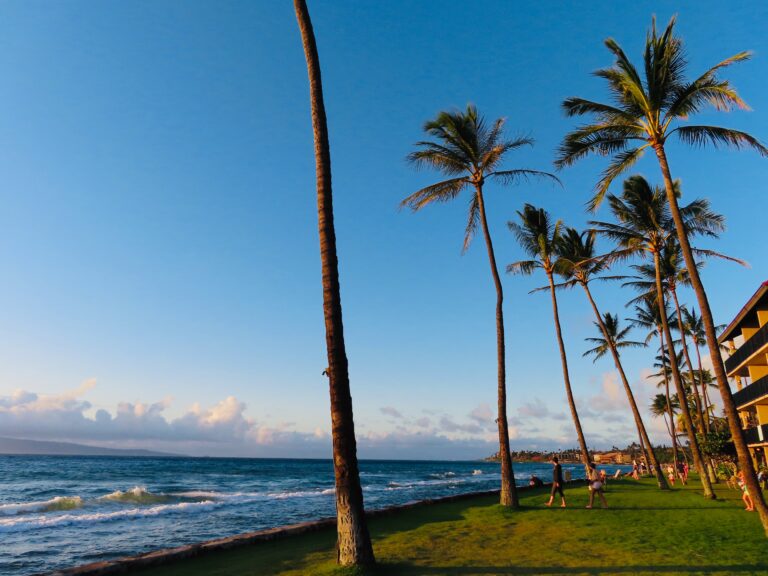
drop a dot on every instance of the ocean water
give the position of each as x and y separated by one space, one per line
57 512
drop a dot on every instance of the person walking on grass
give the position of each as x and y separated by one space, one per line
557 482
595 486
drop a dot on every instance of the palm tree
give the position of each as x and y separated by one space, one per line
661 406
647 316
663 363
694 326
644 114
671 275
643 229
354 541
674 274
470 151
614 337
538 236
579 264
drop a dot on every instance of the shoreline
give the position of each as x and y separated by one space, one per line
163 556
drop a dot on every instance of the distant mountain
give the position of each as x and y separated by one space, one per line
37 447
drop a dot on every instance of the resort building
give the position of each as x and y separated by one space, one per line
746 337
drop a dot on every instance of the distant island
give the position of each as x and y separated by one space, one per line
18 446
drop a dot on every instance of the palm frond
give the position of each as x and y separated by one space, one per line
472 221
509 177
718 137
440 192
524 267
620 163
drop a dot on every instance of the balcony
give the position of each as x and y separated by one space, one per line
746 350
756 435
751 393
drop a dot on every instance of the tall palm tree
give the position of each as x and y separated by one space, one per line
647 316
671 275
354 541
661 406
469 151
674 274
579 264
695 328
538 236
643 229
663 363
645 112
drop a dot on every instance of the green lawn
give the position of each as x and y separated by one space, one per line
644 531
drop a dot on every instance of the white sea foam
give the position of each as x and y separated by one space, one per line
27 523
477 472
136 495
301 493
52 505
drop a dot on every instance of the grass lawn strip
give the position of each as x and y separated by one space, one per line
645 531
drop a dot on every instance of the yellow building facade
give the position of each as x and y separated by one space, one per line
746 337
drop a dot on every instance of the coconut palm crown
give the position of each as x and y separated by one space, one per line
616 334
647 106
465 147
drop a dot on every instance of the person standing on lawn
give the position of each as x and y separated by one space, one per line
595 486
557 482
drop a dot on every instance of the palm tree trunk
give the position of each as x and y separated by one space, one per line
732 415
658 472
566 376
508 495
684 344
354 542
669 398
705 398
698 461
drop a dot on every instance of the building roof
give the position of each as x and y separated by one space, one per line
742 317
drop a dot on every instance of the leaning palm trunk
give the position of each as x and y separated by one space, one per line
566 375
745 461
508 496
657 471
684 345
698 461
354 542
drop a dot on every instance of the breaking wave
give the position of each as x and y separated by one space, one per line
26 523
52 505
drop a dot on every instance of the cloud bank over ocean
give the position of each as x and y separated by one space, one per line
225 428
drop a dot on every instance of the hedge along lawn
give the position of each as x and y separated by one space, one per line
644 531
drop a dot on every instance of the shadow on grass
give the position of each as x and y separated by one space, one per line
404 569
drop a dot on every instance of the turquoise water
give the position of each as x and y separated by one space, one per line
57 512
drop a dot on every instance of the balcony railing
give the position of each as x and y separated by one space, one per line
751 392
756 435
758 340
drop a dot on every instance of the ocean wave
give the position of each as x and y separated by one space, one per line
27 523
443 475
53 505
301 493
136 495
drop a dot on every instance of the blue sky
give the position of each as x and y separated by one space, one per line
158 237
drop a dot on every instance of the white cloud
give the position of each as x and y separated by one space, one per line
390 411
535 409
483 415
611 397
